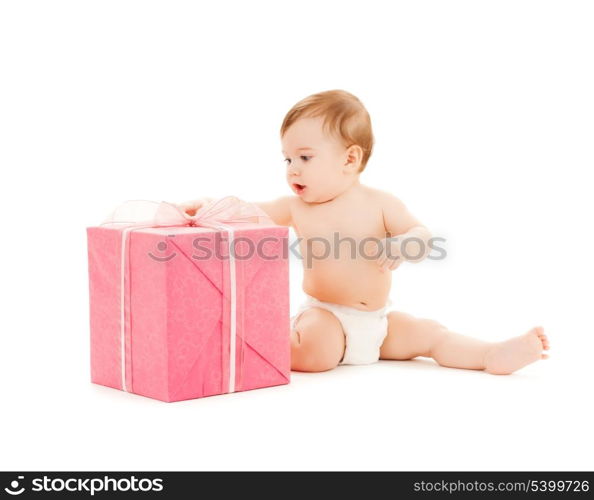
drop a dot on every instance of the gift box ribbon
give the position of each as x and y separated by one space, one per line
217 214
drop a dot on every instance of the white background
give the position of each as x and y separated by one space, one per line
483 118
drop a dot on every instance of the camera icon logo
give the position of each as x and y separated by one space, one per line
162 248
13 489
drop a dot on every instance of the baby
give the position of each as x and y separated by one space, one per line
351 238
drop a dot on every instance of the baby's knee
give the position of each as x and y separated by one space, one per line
317 342
430 325
307 359
430 334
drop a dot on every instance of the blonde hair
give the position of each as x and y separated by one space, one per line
344 115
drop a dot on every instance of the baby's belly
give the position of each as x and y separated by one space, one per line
355 283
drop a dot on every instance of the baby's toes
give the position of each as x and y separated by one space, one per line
539 331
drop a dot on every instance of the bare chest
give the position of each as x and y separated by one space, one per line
330 222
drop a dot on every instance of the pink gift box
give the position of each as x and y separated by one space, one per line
169 335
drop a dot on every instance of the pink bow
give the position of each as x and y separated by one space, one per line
228 209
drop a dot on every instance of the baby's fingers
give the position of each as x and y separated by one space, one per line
395 263
383 263
191 207
190 210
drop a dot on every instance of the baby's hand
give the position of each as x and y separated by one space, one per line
191 207
391 255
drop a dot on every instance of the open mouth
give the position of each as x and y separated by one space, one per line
298 188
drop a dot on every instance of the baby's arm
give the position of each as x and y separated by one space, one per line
406 229
278 210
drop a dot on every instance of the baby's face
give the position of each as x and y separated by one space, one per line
316 163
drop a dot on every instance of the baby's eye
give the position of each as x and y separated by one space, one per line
304 158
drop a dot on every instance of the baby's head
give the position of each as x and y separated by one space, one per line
326 141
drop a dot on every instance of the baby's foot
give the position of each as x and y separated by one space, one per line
510 355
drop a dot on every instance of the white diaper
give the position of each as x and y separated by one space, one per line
364 331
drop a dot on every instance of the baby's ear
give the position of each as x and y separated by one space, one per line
354 156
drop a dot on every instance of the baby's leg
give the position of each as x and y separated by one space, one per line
317 341
409 337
